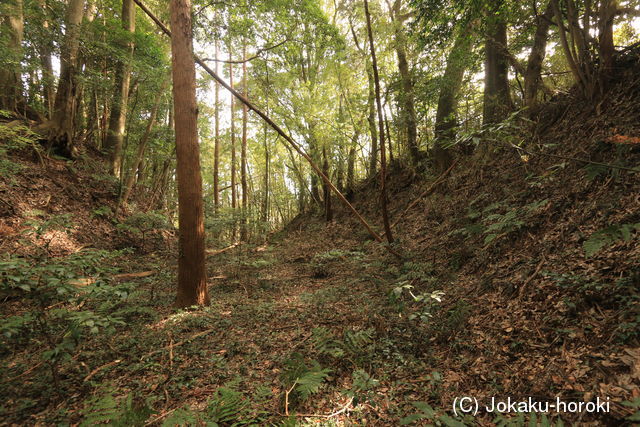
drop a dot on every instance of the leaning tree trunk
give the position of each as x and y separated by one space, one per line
10 81
532 78
192 275
446 119
62 125
383 161
497 98
115 134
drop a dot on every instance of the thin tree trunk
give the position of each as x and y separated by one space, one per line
115 134
233 139
383 161
216 144
137 164
371 119
569 55
267 171
351 162
328 213
192 276
386 123
243 152
44 51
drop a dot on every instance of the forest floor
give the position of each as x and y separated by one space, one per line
520 278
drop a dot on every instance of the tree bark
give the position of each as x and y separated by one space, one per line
446 119
44 51
497 96
62 127
383 161
233 139
328 213
117 120
267 166
532 78
243 151
407 114
10 80
371 119
192 279
216 143
351 162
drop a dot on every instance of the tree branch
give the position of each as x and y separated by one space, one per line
257 55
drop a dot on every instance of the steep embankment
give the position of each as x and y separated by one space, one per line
536 257
79 196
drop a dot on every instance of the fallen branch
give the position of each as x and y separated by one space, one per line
279 130
171 346
424 194
105 366
81 282
210 252
530 278
338 412
134 275
286 398
161 416
28 371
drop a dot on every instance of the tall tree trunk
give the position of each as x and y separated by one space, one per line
233 138
497 98
216 144
446 119
606 50
532 78
10 80
192 278
371 119
81 110
383 161
267 171
407 115
62 129
243 151
44 51
117 121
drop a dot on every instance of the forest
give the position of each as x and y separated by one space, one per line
320 212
